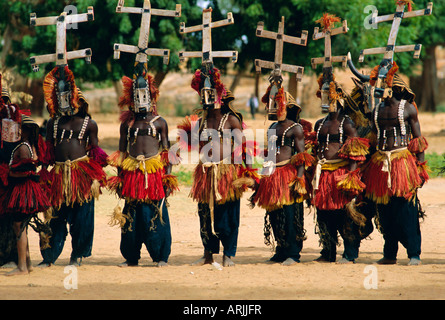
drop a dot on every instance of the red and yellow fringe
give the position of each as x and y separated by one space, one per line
303 158
351 182
329 196
418 145
226 174
283 187
405 177
355 148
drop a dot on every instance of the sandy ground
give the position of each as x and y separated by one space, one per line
99 277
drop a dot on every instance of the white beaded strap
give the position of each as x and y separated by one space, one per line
135 135
376 115
223 121
84 127
400 114
221 125
321 125
18 146
153 128
287 129
341 130
55 128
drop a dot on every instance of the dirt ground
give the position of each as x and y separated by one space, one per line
253 278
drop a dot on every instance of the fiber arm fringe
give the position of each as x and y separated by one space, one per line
418 145
351 182
170 183
248 177
298 187
303 158
355 148
47 157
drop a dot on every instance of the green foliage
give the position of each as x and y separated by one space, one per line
185 177
100 35
110 27
436 163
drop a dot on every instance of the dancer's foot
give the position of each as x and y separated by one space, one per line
126 264
161 264
289 262
17 272
227 261
345 261
387 261
322 259
75 262
414 262
44 264
207 258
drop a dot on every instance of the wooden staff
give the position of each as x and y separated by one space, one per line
277 65
396 18
141 50
61 56
328 59
206 27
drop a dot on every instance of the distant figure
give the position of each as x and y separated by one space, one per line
253 104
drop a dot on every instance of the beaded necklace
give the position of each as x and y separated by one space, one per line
403 135
15 149
221 125
151 131
284 135
81 133
326 145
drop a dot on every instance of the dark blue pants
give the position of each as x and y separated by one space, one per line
81 221
330 223
146 227
287 226
226 225
399 221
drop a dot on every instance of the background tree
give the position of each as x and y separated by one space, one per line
302 14
20 40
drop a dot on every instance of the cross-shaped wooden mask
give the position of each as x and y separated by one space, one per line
141 50
277 65
327 32
61 56
206 27
396 18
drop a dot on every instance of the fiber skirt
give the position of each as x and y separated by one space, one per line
142 179
215 181
76 181
328 196
24 196
278 189
401 179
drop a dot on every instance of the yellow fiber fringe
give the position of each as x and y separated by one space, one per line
351 183
150 165
118 218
